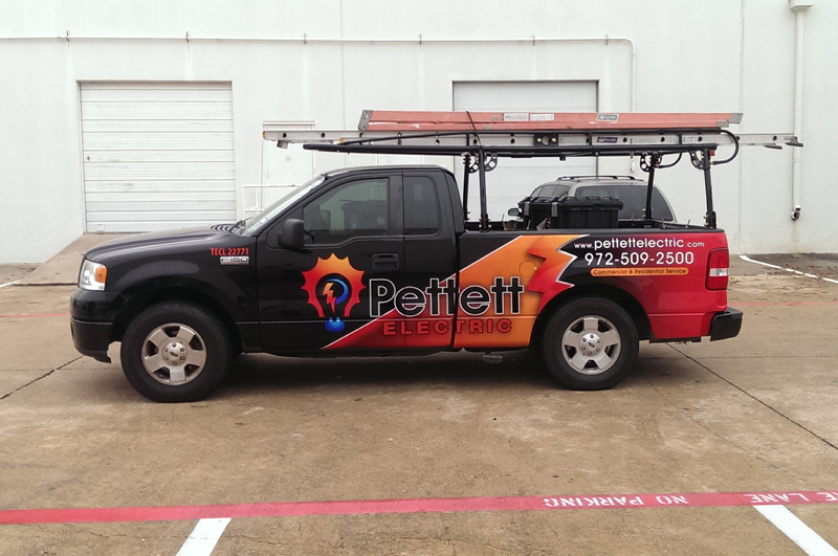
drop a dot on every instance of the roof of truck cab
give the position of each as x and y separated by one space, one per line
386 168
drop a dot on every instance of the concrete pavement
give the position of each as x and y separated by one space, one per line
757 413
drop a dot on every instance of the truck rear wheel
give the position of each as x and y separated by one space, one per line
590 343
175 352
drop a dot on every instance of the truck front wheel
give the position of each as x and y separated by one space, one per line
590 343
175 352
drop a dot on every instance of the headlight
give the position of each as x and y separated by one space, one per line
93 276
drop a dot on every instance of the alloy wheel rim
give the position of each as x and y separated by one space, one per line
174 354
591 345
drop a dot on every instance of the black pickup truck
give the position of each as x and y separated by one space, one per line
380 260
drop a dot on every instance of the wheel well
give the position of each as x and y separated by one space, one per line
141 301
619 296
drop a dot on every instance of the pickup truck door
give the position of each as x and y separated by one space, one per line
430 259
318 297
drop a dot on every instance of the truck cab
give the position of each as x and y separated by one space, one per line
367 236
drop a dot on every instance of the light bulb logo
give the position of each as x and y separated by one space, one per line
333 288
334 292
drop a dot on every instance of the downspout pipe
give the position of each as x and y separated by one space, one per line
799 7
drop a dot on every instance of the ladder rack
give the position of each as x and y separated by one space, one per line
481 137
522 134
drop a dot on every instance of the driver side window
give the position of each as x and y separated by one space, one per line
357 208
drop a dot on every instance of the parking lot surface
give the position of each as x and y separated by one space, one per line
710 448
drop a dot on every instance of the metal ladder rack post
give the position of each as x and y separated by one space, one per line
655 161
484 211
466 172
708 189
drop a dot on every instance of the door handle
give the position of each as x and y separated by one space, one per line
385 261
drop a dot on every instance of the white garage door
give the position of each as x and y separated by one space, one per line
157 155
514 179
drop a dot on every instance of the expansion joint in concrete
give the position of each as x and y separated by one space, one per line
43 376
759 401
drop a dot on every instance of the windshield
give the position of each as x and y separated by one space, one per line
551 191
259 221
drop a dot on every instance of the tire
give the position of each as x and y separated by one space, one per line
590 343
175 352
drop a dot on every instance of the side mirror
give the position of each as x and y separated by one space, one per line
291 235
514 212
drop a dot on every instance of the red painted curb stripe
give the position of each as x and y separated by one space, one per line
788 304
34 316
417 505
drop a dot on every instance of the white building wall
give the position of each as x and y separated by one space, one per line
324 62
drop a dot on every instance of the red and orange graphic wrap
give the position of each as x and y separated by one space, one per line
538 262
493 302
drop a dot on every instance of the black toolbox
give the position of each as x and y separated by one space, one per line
570 212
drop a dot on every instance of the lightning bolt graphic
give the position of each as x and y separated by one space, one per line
330 296
547 278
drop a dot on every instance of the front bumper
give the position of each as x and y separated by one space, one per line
92 338
92 314
726 325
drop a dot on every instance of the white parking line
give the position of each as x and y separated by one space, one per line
793 271
811 543
9 284
204 537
